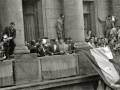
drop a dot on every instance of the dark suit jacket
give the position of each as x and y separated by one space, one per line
32 49
52 49
44 52
9 32
71 46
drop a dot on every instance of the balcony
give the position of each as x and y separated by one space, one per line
28 71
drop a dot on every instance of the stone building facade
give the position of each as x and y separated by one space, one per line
38 18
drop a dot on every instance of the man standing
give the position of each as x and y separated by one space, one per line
63 48
108 25
10 31
60 27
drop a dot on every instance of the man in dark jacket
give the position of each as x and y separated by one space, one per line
54 48
10 31
43 49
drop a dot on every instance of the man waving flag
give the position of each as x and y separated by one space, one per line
101 59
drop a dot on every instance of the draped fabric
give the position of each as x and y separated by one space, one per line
101 59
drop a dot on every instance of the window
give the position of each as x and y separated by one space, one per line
89 16
86 10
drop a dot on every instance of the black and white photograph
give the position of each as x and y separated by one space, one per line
59 44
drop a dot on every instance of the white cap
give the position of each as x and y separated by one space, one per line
44 41
5 36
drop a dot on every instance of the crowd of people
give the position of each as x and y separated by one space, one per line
113 41
47 47
59 46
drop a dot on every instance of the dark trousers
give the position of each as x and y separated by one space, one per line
12 46
107 33
9 48
6 49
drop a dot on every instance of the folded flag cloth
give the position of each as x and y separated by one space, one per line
102 61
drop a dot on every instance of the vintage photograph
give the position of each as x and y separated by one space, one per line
59 44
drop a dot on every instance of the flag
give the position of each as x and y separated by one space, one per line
102 60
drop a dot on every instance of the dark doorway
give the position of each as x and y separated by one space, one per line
30 20
89 16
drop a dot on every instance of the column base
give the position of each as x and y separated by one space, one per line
21 50
81 45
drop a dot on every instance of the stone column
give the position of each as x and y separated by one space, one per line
74 23
12 12
115 7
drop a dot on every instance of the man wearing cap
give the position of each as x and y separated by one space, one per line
10 31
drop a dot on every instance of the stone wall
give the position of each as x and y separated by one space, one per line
103 10
0 18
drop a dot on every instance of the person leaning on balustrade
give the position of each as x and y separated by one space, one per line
43 49
54 48
32 47
88 36
63 47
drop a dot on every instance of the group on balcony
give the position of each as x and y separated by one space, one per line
45 47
